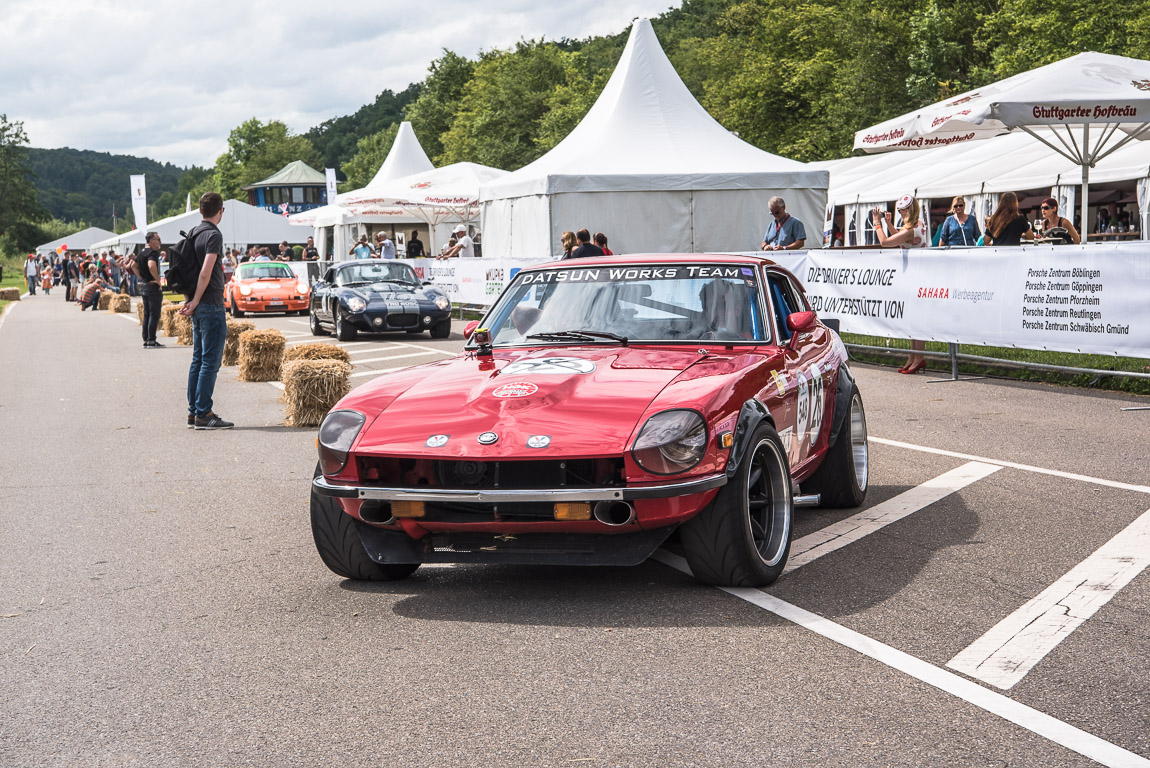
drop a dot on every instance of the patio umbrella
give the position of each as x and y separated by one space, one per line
1063 100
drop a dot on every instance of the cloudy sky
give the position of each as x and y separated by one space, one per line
169 80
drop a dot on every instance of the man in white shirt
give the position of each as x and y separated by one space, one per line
464 246
31 274
385 245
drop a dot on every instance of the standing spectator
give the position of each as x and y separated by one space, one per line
912 233
206 308
960 228
1006 226
310 252
464 245
264 254
286 252
66 277
385 246
1055 226
601 241
415 246
148 268
230 264
568 241
31 274
362 249
586 248
785 232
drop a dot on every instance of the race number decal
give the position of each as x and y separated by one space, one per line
802 408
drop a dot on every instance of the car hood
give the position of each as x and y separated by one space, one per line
586 400
386 292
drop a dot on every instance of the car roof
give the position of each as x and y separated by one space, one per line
631 259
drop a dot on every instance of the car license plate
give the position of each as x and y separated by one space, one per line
275 303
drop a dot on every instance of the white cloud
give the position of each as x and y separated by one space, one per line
169 80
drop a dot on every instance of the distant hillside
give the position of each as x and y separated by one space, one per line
81 185
335 139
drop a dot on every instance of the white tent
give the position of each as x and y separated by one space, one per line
651 169
405 157
77 241
241 225
1111 93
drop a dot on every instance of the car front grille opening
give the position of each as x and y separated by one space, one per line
467 474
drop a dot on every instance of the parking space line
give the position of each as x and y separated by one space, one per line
336 343
1013 465
372 350
301 322
1006 653
392 357
990 701
844 532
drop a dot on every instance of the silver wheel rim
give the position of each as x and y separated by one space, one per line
859 452
768 503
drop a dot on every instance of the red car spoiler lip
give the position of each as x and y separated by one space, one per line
662 491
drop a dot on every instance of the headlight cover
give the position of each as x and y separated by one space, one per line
671 442
336 434
246 290
442 302
356 304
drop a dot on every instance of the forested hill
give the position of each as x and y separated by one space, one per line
335 139
81 185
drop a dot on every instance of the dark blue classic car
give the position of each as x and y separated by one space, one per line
376 296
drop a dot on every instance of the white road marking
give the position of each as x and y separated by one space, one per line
4 314
336 343
993 702
1006 653
381 371
294 334
391 357
301 322
844 532
277 384
125 316
1013 465
372 350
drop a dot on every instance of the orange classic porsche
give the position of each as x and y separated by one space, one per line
266 286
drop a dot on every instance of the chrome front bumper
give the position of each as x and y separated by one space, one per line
500 496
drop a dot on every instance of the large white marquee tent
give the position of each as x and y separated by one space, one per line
241 225
651 169
77 241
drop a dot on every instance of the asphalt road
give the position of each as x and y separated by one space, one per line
161 601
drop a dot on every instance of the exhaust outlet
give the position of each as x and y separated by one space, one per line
615 513
376 512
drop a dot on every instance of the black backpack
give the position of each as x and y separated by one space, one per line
184 264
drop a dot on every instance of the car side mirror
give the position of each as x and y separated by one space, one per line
469 328
799 322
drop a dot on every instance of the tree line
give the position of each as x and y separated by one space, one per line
793 77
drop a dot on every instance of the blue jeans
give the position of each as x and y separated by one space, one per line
209 332
31 281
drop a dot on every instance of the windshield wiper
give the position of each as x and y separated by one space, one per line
578 336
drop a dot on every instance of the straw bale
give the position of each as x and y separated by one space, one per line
9 294
316 351
121 303
312 388
232 343
140 311
182 325
261 353
167 318
105 299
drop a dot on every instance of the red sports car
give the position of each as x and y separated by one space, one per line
601 405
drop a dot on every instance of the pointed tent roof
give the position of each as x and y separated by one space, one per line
405 158
293 174
647 131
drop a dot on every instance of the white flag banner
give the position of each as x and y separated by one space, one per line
139 202
331 187
1067 298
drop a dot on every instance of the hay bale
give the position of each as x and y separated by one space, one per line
105 299
167 315
312 388
121 303
261 354
140 311
316 351
232 343
182 325
9 294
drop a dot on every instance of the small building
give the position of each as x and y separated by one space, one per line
295 188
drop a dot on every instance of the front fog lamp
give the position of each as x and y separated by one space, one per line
356 304
671 442
442 302
336 434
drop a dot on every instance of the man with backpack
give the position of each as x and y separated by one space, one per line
199 274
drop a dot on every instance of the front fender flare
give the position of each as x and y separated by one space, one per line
751 415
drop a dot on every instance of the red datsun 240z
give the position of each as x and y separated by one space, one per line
599 406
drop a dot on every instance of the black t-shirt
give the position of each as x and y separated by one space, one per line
415 248
143 271
1012 233
209 240
311 253
586 250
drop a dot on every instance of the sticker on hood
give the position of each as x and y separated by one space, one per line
515 389
549 366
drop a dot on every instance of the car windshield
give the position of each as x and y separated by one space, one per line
665 303
389 271
254 271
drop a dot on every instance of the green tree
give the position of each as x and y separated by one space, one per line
370 154
432 114
19 207
257 150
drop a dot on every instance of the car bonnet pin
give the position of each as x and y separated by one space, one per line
487 438
437 441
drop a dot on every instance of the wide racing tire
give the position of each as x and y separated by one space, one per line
314 324
743 538
841 480
344 331
236 312
340 547
442 329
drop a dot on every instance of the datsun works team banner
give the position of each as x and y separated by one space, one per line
1088 298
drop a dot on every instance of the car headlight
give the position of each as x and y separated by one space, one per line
301 288
356 304
336 434
246 290
442 302
671 441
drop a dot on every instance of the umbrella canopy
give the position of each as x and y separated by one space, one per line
1090 89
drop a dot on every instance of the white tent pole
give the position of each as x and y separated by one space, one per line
1085 223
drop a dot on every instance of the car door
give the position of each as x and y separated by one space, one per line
323 291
